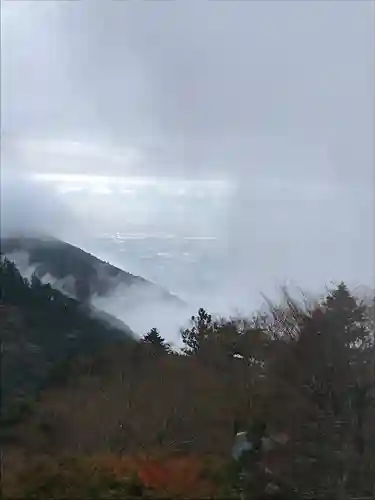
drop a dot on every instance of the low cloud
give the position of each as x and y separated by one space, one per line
30 208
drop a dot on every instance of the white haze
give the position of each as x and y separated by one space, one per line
138 306
142 312
131 128
35 208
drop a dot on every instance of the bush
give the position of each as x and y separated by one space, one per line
115 477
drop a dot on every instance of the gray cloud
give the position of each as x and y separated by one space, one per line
246 86
277 97
30 208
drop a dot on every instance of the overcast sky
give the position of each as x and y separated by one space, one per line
275 96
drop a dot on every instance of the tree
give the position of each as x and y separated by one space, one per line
201 328
347 317
322 378
35 281
351 322
154 338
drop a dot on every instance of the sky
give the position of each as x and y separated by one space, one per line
274 100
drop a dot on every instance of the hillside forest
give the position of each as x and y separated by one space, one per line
89 411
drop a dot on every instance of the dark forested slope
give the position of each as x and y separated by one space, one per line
80 274
41 328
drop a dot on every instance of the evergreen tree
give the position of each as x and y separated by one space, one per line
346 316
199 332
35 281
154 338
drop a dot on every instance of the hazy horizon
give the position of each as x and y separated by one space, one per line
219 148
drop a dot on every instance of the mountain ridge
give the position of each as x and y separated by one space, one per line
74 271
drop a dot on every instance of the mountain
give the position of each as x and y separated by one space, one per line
53 308
42 331
78 273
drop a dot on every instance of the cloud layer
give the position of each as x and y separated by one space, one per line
273 98
196 88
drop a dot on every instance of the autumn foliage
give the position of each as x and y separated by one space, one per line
113 476
141 420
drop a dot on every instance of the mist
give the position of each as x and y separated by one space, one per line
29 208
218 149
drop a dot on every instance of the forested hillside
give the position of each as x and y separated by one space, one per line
143 420
41 331
81 274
